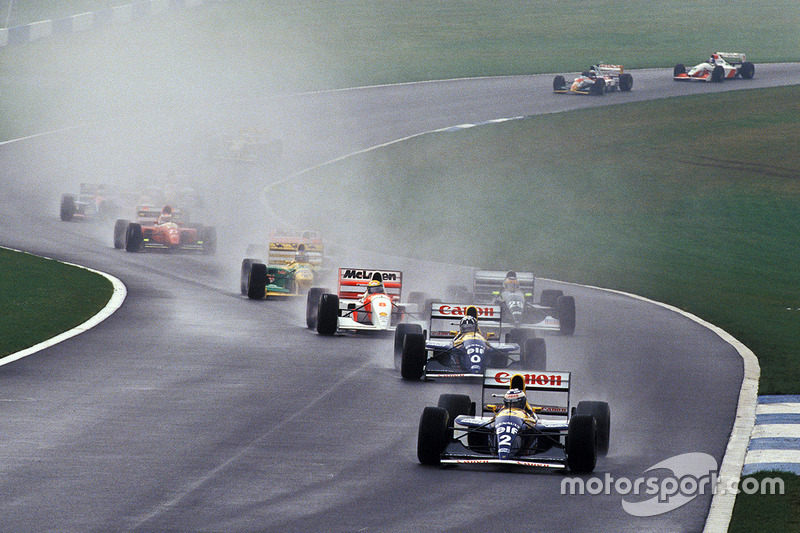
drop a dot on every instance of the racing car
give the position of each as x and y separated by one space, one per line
292 262
366 301
165 229
516 432
597 81
720 66
514 292
93 200
459 344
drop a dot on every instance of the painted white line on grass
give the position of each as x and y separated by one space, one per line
117 297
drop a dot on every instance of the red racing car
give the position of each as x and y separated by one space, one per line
167 231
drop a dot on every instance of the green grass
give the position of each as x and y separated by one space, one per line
244 48
41 298
764 512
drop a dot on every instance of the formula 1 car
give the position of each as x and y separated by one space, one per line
457 348
516 432
514 292
720 66
166 229
293 263
92 201
597 81
366 301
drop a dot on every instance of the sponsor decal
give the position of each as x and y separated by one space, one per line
553 380
457 310
351 273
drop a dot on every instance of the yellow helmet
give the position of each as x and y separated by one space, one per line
374 286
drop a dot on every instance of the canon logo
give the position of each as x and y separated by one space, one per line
461 311
553 380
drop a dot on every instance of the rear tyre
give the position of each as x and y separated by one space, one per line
120 227
625 82
209 236
718 74
257 282
312 306
517 336
432 437
399 338
244 277
565 308
534 355
679 69
133 238
412 359
747 70
328 315
67 207
559 83
549 297
602 416
582 444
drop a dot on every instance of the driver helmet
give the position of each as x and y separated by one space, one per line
515 399
468 324
511 283
374 287
713 59
301 256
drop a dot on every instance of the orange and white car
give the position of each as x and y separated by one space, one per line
720 66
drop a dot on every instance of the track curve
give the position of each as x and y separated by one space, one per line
192 408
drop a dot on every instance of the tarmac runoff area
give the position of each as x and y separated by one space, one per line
775 441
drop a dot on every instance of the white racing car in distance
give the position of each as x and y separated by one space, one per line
720 66
597 81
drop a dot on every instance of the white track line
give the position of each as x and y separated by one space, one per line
117 297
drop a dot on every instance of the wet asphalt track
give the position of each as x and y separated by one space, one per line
194 409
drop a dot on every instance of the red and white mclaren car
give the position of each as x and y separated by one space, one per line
720 66
366 300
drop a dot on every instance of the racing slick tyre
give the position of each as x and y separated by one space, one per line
598 87
312 306
432 437
209 236
582 444
120 227
534 355
257 282
602 416
244 278
328 314
559 83
679 69
455 405
747 70
565 309
412 359
625 82
399 338
133 238
718 74
549 297
67 207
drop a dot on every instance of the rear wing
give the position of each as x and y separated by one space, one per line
353 282
609 70
282 252
546 390
732 58
147 213
488 282
445 318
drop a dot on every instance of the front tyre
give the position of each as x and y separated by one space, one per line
257 282
244 277
312 306
625 82
134 240
565 309
559 83
718 74
432 437
679 69
747 70
120 227
400 333
67 210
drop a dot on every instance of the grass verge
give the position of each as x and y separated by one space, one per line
42 298
768 512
